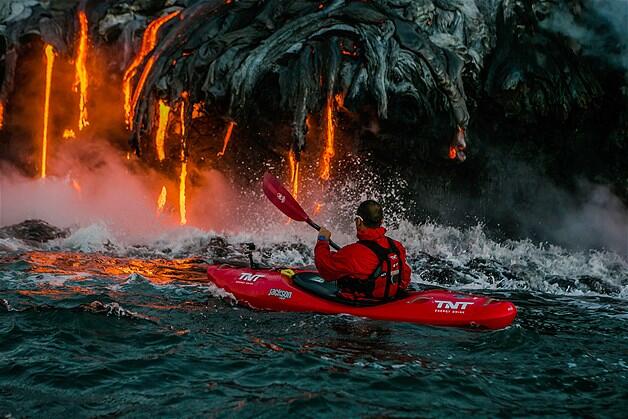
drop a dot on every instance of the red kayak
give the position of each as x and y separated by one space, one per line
305 291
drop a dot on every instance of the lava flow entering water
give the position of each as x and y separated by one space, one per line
50 59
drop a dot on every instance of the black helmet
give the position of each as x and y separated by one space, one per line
371 213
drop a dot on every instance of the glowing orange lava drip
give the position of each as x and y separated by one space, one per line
68 134
182 212
76 185
160 139
161 200
81 80
50 59
329 152
149 40
184 172
1 115
226 140
453 153
317 208
294 173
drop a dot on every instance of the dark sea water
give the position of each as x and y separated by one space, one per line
92 328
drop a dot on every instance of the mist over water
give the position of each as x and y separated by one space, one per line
113 211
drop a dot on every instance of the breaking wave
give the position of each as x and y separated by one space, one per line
439 256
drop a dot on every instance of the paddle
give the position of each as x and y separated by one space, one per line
282 199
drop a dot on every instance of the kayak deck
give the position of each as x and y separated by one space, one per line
270 289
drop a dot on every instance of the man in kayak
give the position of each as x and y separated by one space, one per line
374 267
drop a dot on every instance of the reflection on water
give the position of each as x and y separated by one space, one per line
157 271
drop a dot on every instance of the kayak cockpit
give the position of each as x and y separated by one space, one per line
311 282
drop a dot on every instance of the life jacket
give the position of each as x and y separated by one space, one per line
386 275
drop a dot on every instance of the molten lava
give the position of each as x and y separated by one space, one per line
69 134
458 145
328 152
76 185
182 212
197 110
149 40
50 59
1 115
184 172
161 200
294 173
226 140
81 80
160 138
317 208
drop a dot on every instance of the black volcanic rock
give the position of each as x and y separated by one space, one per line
33 231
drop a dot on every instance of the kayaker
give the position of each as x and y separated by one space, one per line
374 267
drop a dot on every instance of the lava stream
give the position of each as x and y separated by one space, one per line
294 173
149 40
81 80
184 172
226 140
50 59
160 138
182 212
161 200
328 152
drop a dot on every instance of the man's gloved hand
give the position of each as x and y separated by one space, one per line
323 232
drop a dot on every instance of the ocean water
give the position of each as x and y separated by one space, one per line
91 326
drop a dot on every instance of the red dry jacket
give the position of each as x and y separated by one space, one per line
358 262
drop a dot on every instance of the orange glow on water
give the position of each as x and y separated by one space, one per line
50 59
149 40
161 200
160 271
328 152
294 173
81 79
160 138
227 138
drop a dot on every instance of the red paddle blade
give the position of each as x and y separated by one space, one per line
282 199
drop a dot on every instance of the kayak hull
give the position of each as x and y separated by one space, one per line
268 289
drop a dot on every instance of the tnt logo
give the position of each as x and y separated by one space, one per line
281 197
250 277
451 305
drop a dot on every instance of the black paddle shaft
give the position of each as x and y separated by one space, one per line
317 227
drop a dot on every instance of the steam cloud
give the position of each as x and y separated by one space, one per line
599 29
